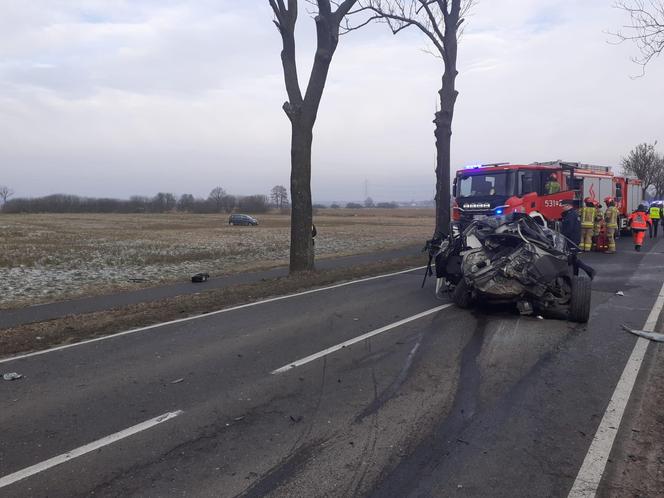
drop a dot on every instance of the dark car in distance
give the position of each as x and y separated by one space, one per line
242 219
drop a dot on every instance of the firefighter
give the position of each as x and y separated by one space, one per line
597 223
655 214
611 220
552 186
639 222
587 224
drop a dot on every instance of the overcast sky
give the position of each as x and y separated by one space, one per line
122 97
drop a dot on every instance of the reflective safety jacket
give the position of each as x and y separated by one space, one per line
552 187
639 220
611 217
655 213
599 219
588 217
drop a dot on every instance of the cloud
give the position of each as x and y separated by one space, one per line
127 97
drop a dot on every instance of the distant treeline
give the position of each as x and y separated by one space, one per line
218 202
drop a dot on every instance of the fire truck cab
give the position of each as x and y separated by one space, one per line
500 189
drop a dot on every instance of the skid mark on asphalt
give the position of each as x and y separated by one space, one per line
394 386
366 455
435 448
297 457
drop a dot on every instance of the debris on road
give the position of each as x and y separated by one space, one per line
620 293
653 336
12 376
296 418
177 381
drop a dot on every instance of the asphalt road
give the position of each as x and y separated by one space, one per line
19 316
453 403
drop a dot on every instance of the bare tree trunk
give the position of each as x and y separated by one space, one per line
443 121
301 251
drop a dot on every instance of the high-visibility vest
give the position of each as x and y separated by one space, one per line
655 213
639 220
552 187
587 217
611 217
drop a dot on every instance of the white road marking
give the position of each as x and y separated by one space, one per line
203 315
362 337
589 476
82 450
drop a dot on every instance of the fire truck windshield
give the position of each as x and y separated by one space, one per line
495 183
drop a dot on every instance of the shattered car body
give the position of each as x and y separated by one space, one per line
517 261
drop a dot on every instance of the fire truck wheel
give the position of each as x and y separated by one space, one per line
579 310
461 296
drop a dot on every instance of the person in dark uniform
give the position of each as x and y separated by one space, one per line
571 224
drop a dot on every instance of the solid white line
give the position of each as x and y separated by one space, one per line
65 457
589 476
203 315
342 345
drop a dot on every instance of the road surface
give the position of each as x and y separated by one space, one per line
373 388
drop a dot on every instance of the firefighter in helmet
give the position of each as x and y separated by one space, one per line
552 186
588 213
639 222
597 222
611 220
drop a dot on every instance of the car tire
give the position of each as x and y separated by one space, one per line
461 296
579 310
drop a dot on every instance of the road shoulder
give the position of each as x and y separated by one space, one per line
636 466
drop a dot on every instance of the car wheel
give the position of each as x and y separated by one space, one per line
579 310
461 296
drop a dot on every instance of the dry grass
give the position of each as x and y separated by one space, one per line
49 257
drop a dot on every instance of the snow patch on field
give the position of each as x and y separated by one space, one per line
47 258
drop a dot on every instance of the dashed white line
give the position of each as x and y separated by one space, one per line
589 476
212 313
82 450
359 338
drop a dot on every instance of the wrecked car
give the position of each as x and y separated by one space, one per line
518 262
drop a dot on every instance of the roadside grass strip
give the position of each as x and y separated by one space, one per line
82 450
204 315
359 338
589 476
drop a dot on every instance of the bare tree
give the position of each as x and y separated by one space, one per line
279 196
658 181
186 202
228 203
302 111
644 163
441 22
5 193
645 28
216 196
369 203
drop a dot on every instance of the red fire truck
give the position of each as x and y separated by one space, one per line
497 190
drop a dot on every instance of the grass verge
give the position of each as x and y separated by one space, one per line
75 328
